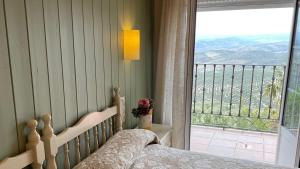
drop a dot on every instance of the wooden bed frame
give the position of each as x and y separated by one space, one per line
110 121
34 155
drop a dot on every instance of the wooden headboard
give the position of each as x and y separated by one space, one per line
34 154
110 121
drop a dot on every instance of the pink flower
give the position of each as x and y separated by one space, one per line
145 103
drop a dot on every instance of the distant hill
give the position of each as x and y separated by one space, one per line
261 49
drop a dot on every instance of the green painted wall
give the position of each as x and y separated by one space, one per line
64 57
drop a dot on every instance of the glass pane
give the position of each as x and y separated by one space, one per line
292 103
289 113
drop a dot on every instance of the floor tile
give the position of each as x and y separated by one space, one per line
249 155
199 148
220 151
200 140
248 145
202 134
270 148
269 157
270 140
226 136
251 139
233 131
252 133
224 143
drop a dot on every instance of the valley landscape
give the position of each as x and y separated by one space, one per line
238 81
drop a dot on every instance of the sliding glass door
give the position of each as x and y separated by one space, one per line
288 145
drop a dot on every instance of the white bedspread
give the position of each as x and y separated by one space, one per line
138 149
161 157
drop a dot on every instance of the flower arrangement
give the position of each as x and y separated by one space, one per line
143 109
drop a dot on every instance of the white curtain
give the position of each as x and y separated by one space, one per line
173 22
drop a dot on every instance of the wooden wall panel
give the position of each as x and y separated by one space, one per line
20 65
64 57
88 18
56 74
68 65
80 63
107 51
98 33
38 53
133 65
68 60
128 108
140 82
90 54
121 27
9 143
128 24
55 64
79 57
114 40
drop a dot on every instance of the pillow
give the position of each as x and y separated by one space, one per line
120 151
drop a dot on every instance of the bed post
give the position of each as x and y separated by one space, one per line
49 141
35 144
117 102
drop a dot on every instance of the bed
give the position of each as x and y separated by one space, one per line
34 154
139 149
128 149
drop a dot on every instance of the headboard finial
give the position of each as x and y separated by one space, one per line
46 118
48 130
33 135
35 144
117 102
32 124
117 91
49 140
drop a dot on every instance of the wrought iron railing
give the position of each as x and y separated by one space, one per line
238 96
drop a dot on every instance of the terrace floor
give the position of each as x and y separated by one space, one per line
249 145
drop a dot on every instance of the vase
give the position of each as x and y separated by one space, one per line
145 122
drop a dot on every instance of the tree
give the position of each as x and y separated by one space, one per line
275 88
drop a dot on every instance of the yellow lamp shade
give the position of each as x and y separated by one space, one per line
131 44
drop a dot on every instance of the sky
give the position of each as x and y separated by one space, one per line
244 22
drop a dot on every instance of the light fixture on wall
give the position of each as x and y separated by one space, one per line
131 44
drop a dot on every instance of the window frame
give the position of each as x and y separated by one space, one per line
217 5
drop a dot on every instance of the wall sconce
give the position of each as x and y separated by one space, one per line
131 44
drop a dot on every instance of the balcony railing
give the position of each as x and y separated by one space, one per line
238 96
